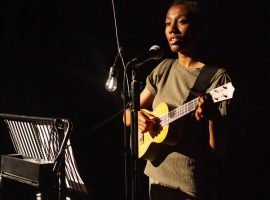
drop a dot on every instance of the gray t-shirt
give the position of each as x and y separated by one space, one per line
183 165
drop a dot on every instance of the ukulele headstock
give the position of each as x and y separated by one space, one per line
223 92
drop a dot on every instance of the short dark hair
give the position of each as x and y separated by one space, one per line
195 7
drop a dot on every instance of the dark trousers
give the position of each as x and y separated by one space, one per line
159 192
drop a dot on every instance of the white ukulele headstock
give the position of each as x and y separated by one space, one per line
223 92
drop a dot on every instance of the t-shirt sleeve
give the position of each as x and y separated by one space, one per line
221 78
154 77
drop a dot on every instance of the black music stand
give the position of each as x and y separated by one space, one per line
43 154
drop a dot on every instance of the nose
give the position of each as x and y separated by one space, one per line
173 28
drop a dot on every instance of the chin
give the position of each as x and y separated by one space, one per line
175 49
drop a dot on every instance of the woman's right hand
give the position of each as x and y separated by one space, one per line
145 121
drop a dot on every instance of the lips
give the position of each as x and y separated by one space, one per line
174 40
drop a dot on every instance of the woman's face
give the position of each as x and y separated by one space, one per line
178 28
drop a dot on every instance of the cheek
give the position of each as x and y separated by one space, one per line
189 32
184 30
166 33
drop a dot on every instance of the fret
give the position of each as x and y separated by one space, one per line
217 94
178 112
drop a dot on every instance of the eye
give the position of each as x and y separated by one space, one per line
167 23
182 21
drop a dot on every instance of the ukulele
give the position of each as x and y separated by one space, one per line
147 142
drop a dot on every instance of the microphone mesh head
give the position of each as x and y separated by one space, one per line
158 52
155 47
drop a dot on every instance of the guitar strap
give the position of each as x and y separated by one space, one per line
202 82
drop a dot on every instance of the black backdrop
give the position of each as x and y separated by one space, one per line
55 57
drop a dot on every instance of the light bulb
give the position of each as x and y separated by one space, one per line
111 83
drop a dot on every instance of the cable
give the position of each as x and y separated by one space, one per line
125 83
119 49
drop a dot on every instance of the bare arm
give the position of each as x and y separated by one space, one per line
217 138
208 111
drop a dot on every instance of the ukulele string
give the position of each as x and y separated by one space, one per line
175 114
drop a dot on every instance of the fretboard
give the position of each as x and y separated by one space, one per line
178 112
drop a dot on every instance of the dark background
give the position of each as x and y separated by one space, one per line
55 58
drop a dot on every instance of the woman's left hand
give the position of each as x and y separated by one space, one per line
206 109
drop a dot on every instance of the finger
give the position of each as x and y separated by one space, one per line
145 121
150 116
200 101
142 117
142 129
146 115
199 110
199 114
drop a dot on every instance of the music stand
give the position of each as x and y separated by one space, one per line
45 143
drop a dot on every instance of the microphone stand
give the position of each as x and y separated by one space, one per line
134 108
59 162
132 179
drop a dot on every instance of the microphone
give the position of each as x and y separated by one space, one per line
111 83
154 53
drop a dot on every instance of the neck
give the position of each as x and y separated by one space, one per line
188 61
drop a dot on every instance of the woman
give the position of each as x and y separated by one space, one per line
187 169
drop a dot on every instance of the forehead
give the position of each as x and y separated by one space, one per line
178 10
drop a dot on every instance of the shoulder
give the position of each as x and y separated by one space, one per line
167 61
158 74
222 73
219 72
164 66
220 77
